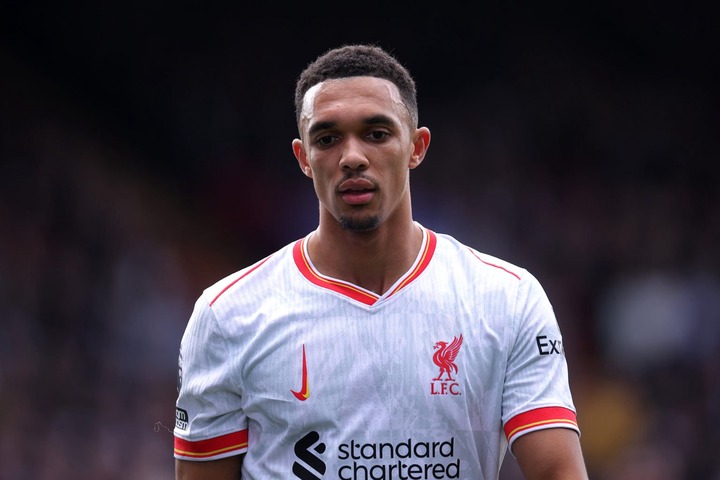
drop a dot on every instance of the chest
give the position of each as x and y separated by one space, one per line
404 360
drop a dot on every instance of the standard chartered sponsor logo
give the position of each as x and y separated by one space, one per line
307 450
407 460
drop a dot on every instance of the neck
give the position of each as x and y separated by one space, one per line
373 260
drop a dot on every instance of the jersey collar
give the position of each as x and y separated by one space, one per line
307 269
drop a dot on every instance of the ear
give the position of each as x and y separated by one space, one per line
420 146
301 156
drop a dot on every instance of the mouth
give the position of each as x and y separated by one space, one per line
357 197
356 191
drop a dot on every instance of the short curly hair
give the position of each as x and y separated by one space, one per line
362 60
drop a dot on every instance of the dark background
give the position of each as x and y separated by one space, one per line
145 153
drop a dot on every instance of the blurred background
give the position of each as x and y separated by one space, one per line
145 153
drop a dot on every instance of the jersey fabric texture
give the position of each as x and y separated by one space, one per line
315 378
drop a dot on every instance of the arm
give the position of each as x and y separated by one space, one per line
223 469
206 377
551 454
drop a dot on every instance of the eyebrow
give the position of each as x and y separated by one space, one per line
321 126
378 119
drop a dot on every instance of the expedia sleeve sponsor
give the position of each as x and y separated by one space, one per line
549 346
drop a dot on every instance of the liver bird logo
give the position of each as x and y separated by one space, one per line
445 356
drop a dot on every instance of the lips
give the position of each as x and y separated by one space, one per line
356 191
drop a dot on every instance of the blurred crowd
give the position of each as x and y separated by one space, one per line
606 191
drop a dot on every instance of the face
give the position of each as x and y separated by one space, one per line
358 146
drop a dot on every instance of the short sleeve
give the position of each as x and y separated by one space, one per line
209 421
536 393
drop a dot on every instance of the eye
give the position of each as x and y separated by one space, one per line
325 140
378 135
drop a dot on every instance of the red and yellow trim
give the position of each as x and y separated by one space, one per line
540 418
350 290
425 256
236 442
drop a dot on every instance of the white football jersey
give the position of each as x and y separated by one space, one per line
316 378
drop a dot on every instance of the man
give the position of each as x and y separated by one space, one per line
372 348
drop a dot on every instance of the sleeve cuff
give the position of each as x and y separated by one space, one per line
212 448
539 419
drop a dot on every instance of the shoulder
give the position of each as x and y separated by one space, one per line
479 262
255 275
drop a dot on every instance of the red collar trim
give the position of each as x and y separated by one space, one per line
352 291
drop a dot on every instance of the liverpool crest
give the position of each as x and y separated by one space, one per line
444 357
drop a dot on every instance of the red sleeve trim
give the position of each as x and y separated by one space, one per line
235 442
538 419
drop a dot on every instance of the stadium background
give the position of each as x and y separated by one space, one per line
145 152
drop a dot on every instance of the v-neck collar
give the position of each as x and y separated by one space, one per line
308 270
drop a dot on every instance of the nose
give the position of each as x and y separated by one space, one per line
353 155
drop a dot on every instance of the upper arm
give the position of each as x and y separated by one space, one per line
210 421
223 469
550 454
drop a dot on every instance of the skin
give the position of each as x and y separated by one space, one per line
358 145
356 134
224 469
551 454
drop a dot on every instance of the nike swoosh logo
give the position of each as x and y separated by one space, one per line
304 392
